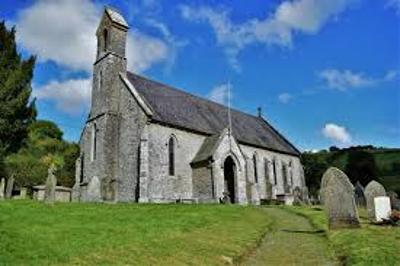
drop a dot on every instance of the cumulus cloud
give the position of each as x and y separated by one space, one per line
63 31
278 28
220 94
285 97
347 79
71 96
336 133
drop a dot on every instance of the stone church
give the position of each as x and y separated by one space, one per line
148 142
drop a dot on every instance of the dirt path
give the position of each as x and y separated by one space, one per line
293 241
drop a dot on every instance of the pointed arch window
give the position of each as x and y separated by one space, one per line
266 170
93 143
105 39
255 168
274 171
171 156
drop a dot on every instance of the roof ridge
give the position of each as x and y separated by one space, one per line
193 95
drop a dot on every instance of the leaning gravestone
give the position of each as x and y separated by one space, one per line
2 188
94 190
338 197
373 190
394 200
359 195
382 208
51 183
9 187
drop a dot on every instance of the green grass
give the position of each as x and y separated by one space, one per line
35 234
369 245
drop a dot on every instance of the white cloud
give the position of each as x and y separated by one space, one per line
71 96
394 4
344 79
285 97
63 31
336 133
278 28
220 94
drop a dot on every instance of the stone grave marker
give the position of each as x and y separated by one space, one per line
382 208
9 187
94 190
359 195
297 196
394 200
373 190
338 197
51 183
2 188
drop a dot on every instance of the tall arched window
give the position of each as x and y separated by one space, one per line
94 143
105 39
171 156
274 170
255 168
266 170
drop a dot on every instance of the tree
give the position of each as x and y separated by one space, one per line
361 166
16 110
43 147
314 167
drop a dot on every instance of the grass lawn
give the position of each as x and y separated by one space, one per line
35 234
369 245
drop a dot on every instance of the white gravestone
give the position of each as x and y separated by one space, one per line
382 208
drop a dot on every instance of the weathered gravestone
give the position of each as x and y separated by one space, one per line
297 196
2 188
94 190
9 187
382 208
268 190
359 195
108 189
51 183
373 190
76 189
305 195
394 200
338 197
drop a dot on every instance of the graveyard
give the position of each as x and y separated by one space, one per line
178 234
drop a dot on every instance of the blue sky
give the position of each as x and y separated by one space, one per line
325 72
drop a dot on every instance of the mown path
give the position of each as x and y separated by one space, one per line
292 241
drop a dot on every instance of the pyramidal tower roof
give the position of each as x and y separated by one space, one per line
116 16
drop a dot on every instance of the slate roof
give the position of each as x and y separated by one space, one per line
183 110
207 148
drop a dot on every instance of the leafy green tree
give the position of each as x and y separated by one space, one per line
16 110
43 147
361 166
315 165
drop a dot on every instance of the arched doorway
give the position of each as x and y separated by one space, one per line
229 178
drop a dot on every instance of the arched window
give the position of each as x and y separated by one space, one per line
105 39
93 143
171 156
100 81
274 170
255 168
266 170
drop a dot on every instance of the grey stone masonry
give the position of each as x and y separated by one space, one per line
372 190
9 187
2 188
51 183
338 195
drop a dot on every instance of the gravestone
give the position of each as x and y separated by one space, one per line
9 187
107 189
297 196
305 195
268 190
394 200
94 190
373 190
76 189
23 193
382 208
337 193
2 188
51 183
359 195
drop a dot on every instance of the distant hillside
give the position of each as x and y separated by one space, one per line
361 163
